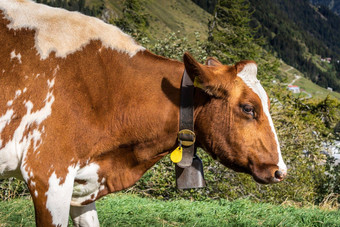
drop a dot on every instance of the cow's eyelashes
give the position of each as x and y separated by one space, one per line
248 109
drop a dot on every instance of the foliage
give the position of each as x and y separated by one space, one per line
134 19
231 38
175 46
12 188
330 185
131 210
75 5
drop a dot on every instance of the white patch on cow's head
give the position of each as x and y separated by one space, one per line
16 56
62 31
59 196
248 75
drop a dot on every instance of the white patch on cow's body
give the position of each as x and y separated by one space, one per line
89 190
85 215
62 31
5 120
248 75
15 150
17 94
9 103
59 196
36 193
50 83
16 56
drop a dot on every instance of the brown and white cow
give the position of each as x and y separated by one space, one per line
85 111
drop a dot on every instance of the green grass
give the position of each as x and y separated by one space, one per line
176 15
131 210
316 91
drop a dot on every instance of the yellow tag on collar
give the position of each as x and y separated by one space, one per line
197 83
176 155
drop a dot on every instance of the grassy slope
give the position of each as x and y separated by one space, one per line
176 15
315 90
130 210
167 16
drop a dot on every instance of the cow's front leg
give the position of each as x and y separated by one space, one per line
51 195
85 215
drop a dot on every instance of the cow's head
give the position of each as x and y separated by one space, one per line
232 119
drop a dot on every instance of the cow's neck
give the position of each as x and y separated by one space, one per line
137 111
147 110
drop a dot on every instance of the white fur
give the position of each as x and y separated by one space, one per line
83 192
248 75
14 151
17 56
59 197
85 215
9 103
62 31
5 120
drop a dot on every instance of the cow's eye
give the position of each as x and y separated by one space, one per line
248 109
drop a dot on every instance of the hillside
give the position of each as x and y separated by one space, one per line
302 35
165 16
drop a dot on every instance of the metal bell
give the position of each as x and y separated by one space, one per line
192 176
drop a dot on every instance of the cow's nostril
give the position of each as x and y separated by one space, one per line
279 174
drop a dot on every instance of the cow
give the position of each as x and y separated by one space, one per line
85 111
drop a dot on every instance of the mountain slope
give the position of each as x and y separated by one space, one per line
301 35
164 16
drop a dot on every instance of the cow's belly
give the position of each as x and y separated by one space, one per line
87 185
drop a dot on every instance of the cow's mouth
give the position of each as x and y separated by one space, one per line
271 178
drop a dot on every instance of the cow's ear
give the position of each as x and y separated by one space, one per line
198 72
207 77
213 62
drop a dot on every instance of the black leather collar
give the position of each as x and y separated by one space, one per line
189 171
186 135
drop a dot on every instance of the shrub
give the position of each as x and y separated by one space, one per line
12 188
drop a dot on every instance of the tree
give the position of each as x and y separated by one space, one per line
134 19
231 38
